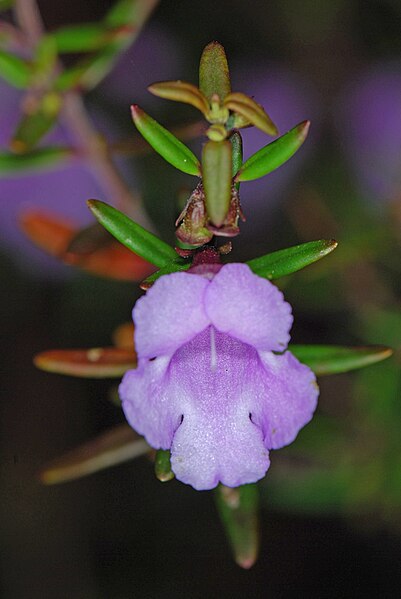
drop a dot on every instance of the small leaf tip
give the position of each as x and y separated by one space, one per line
136 111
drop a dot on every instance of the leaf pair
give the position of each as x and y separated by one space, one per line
159 253
263 162
214 98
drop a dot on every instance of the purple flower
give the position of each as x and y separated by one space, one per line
208 385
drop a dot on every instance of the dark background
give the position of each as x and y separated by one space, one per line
120 533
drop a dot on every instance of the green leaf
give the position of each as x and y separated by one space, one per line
180 91
333 359
37 160
216 179
113 447
130 12
15 70
163 470
284 262
174 266
238 509
119 30
214 76
274 154
133 236
5 4
165 143
86 37
249 110
34 125
71 78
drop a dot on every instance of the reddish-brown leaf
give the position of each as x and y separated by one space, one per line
98 362
53 234
113 447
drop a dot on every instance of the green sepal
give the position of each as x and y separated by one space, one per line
216 179
270 157
214 76
35 125
177 265
284 262
163 470
165 143
37 160
15 70
236 143
333 359
133 236
238 509
86 37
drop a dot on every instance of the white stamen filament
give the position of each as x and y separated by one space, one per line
213 353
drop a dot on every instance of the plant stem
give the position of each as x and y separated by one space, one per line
90 143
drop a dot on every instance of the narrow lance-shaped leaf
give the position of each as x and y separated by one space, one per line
165 143
120 27
15 70
250 110
85 37
284 262
163 470
333 359
37 160
113 447
130 12
273 155
99 65
180 91
238 509
214 76
97 362
217 177
54 234
133 236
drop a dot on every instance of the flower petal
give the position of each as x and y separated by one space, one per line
147 404
216 441
285 398
170 314
249 308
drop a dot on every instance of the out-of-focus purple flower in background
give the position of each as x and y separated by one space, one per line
369 126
